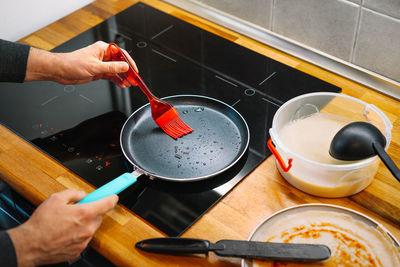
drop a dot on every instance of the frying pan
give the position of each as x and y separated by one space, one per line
220 138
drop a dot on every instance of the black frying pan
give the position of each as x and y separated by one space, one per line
220 138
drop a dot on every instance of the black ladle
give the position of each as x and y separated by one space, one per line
361 140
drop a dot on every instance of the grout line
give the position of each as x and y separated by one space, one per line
381 14
272 17
356 34
378 12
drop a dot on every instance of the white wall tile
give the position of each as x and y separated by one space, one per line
388 7
378 44
363 32
325 25
254 11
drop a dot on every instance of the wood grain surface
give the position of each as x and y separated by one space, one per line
35 175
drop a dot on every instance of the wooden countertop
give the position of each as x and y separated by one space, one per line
35 175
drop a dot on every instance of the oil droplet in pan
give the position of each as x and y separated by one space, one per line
199 109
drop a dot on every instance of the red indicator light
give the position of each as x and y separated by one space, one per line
107 163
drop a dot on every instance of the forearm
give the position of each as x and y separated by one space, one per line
24 246
43 65
80 66
19 63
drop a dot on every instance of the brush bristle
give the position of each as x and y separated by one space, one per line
176 128
172 124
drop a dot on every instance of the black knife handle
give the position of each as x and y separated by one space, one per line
174 245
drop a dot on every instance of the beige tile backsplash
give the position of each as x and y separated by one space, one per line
363 32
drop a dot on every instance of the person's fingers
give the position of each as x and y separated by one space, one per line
89 228
111 67
116 79
69 195
80 245
107 55
118 82
127 82
103 205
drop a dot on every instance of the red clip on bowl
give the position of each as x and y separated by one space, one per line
278 157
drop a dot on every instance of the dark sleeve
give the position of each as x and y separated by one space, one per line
13 61
8 258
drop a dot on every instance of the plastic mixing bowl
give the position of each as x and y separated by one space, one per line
312 176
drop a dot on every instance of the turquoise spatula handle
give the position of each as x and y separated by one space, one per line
113 187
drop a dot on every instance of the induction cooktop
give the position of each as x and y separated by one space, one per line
79 125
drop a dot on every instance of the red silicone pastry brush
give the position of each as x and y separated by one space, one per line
163 113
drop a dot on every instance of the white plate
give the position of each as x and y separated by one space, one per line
259 233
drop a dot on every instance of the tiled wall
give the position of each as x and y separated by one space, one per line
363 32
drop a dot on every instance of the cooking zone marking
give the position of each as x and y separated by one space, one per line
235 103
263 98
249 92
86 98
69 89
272 74
222 79
118 34
161 32
141 44
161 54
48 101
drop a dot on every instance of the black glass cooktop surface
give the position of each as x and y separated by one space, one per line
79 125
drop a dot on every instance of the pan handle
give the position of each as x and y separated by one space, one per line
113 187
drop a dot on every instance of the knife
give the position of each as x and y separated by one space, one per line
237 248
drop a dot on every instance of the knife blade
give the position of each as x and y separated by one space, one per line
237 248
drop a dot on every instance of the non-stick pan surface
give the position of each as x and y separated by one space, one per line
220 138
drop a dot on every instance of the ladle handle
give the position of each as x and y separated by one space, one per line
387 160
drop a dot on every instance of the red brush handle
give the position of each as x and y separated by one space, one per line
131 75
278 157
